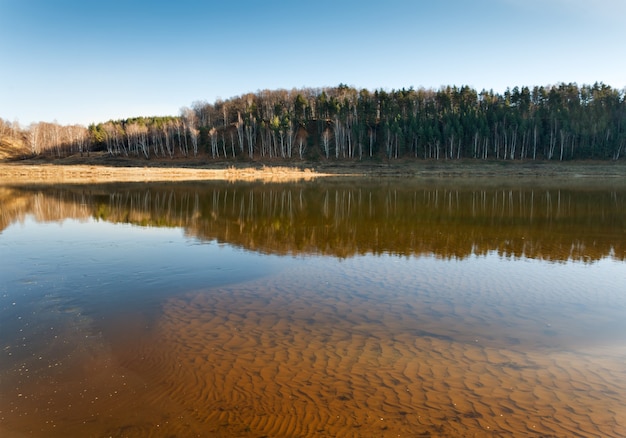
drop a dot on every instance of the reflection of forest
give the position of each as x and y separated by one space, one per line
343 219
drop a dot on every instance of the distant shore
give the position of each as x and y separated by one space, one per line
101 168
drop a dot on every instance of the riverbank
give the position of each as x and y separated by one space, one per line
69 174
102 168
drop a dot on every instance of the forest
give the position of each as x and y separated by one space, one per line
560 122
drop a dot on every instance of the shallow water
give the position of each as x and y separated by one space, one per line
312 310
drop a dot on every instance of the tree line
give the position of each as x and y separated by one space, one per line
561 122
46 138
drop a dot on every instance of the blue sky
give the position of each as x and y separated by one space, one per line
90 61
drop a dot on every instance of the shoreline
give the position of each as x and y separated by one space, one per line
102 169
71 174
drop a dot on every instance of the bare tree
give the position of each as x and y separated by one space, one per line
291 135
326 142
239 126
33 137
191 122
251 134
301 140
214 147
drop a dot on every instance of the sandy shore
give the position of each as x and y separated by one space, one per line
53 174
104 169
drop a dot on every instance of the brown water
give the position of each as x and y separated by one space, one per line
312 310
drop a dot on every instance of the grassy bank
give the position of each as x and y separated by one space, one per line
102 168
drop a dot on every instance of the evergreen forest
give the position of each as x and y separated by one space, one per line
561 122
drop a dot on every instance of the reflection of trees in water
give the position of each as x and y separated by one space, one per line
149 208
344 220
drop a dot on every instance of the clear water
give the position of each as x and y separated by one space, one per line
327 309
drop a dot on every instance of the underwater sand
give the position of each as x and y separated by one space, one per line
341 350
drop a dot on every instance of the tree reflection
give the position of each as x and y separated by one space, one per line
347 219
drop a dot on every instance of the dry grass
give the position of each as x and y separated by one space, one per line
11 148
51 173
103 168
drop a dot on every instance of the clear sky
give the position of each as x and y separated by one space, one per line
84 61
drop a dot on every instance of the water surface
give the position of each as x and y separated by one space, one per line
318 309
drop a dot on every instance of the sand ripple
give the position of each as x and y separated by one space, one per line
282 364
339 350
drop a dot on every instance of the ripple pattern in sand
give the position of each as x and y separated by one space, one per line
279 362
